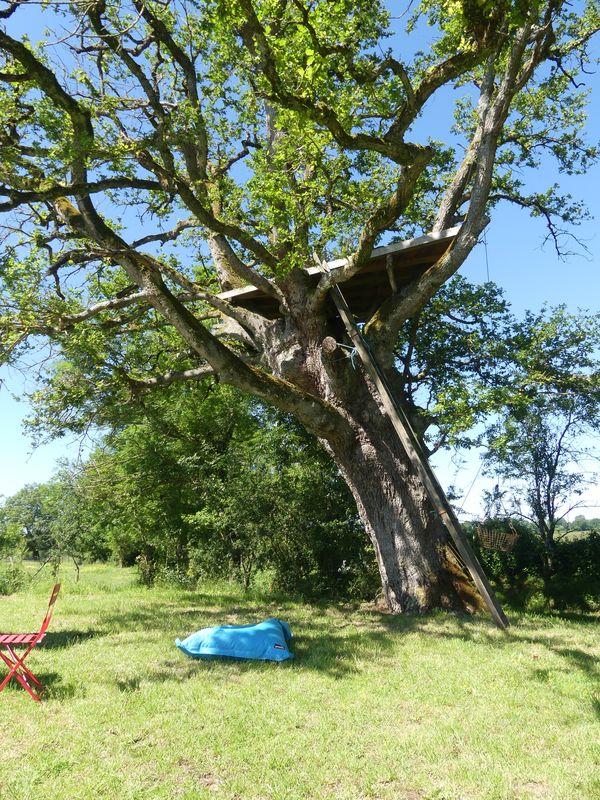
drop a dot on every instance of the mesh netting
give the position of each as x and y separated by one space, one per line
497 540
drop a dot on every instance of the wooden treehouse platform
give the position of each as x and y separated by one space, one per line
387 271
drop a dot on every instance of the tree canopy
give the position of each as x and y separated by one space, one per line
229 142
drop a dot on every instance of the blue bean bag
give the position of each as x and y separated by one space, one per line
266 641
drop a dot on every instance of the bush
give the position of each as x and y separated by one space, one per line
331 558
577 580
518 574
12 576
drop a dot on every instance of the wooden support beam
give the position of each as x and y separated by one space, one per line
419 461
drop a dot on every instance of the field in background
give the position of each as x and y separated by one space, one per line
433 708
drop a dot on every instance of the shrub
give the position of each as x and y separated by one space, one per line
518 574
12 576
577 580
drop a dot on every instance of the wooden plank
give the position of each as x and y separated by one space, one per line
413 450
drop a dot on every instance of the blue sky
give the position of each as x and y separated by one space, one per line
514 258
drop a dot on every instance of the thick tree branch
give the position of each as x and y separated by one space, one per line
14 77
380 220
68 320
83 138
166 236
315 413
228 229
434 79
196 153
19 198
229 266
168 378
7 12
251 322
46 80
94 12
493 109
454 194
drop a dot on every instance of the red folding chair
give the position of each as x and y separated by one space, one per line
8 642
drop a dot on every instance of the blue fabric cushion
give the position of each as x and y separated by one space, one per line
266 641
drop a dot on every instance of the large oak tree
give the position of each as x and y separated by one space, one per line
156 155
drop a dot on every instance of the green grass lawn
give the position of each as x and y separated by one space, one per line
373 706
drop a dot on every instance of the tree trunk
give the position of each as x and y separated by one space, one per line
547 556
418 568
417 562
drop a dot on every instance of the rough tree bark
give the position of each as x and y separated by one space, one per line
416 561
418 568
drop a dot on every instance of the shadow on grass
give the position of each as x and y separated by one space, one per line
470 629
580 659
321 644
334 639
55 687
129 685
570 616
59 688
335 642
62 639
163 617
171 618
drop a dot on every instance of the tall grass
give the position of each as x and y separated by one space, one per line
373 706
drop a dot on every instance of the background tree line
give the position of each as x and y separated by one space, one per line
201 482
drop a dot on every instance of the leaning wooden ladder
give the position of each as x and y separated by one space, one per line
419 461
